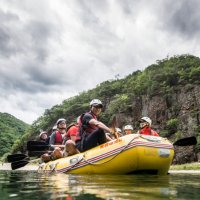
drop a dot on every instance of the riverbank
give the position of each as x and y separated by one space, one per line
188 166
184 171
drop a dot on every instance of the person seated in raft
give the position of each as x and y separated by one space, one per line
92 131
128 129
145 125
70 140
56 137
72 131
117 134
43 136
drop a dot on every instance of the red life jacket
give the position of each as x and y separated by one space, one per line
85 128
148 131
58 138
90 128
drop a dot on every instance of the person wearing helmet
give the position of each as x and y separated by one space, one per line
60 121
128 129
43 136
54 128
145 125
92 131
56 138
96 102
57 135
119 132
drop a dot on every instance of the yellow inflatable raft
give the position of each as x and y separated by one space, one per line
132 153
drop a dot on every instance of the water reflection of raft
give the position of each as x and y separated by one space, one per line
132 153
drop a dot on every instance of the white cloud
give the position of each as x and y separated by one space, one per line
45 45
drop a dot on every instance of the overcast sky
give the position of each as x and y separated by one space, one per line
51 50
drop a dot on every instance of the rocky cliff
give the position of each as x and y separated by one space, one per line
181 107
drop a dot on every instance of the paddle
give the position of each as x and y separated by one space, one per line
39 146
113 127
18 160
16 157
37 153
186 141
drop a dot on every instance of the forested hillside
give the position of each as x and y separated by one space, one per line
167 91
11 129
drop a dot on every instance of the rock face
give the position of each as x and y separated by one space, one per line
185 155
181 104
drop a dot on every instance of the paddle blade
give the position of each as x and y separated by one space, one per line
186 141
19 164
37 146
16 157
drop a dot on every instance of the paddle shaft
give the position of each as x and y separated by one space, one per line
61 146
40 146
113 127
33 147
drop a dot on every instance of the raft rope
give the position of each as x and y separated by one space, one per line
71 167
54 167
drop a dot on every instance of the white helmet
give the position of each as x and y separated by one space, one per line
60 120
128 127
96 102
146 119
78 119
118 130
43 132
54 127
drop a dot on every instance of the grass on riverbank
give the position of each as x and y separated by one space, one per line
188 166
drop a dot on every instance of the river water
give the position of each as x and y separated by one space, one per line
18 185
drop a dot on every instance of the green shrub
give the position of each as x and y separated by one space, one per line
164 133
172 125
